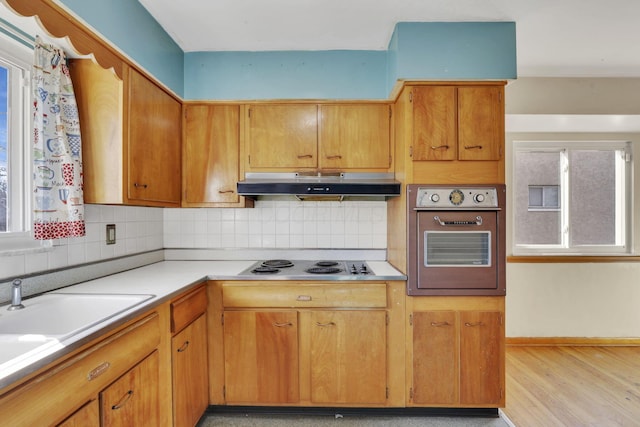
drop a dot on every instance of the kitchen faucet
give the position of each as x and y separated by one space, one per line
16 295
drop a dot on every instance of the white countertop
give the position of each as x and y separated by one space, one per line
164 280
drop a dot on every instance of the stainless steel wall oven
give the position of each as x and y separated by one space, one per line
456 240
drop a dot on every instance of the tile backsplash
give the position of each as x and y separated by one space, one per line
138 229
280 224
271 224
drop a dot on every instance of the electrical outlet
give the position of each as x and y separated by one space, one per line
111 234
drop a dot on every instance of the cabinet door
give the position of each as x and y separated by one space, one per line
132 400
435 357
481 357
434 123
154 142
261 356
190 373
481 122
210 165
87 416
354 136
282 136
347 356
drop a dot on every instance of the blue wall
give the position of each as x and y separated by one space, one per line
453 51
134 31
338 74
417 50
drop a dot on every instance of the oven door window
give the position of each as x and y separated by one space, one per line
457 248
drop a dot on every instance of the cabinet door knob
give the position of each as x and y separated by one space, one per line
336 157
325 324
135 184
473 324
183 347
123 400
305 156
282 325
440 147
473 147
438 324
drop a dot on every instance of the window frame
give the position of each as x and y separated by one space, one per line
18 237
624 197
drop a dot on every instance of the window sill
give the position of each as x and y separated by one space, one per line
556 259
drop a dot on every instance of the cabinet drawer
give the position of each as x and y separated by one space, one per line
304 295
55 394
187 308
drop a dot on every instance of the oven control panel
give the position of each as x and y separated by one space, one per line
457 197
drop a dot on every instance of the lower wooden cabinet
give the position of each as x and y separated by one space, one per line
190 380
308 344
348 360
458 358
189 370
132 400
261 357
120 369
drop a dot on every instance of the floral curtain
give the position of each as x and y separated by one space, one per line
58 209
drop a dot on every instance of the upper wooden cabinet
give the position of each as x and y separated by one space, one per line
458 122
354 136
282 136
312 137
211 166
131 137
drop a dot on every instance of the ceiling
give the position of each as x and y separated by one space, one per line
569 38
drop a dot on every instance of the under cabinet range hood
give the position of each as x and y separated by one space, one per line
319 186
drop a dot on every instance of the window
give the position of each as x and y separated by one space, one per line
544 197
571 197
15 157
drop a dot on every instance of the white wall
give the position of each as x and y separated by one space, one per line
563 299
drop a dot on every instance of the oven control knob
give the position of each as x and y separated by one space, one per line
478 198
435 198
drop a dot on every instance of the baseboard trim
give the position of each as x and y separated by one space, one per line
572 341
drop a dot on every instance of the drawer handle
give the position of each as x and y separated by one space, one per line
305 156
282 325
336 157
325 324
225 191
123 401
438 324
440 147
183 347
473 324
473 147
304 298
135 184
98 370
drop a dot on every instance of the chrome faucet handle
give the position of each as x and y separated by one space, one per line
16 295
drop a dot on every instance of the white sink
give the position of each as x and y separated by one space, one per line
60 315
48 319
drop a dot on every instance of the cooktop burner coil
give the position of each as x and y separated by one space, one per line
326 263
323 270
265 270
277 263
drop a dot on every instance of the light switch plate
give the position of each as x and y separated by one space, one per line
111 234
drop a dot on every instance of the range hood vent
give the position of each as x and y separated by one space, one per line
319 186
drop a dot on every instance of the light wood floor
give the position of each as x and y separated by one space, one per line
573 386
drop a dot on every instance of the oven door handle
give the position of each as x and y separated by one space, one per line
478 221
